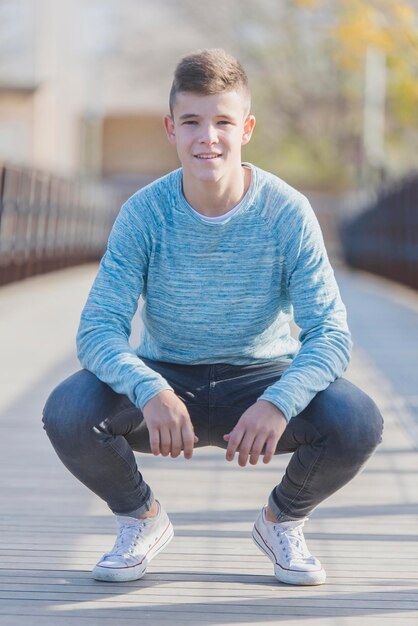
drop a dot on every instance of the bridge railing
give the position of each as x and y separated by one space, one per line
47 223
383 237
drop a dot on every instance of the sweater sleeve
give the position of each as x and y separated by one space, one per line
319 312
103 335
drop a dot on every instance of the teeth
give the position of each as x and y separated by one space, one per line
207 156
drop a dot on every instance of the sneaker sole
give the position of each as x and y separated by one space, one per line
133 572
290 577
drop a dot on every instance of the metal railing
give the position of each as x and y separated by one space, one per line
383 239
48 223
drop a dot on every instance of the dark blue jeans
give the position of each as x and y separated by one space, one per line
94 432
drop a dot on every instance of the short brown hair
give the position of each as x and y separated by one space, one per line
207 72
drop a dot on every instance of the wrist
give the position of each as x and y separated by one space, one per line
162 397
272 407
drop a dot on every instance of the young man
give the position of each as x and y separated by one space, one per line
224 254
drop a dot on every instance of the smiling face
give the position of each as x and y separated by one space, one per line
208 132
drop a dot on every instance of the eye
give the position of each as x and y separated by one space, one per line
224 122
189 122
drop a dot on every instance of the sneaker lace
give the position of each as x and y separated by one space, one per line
293 542
127 536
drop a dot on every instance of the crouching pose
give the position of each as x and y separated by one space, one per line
224 255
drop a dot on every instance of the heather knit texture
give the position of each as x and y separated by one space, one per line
216 292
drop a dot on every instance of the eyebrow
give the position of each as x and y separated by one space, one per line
194 115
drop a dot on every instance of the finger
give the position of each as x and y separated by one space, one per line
154 440
256 449
189 439
234 440
244 449
165 441
176 441
270 449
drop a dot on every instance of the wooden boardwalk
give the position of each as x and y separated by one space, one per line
53 530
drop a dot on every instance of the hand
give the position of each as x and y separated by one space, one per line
169 425
262 424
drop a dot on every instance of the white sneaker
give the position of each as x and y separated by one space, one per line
138 541
284 544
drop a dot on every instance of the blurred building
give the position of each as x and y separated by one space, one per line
77 96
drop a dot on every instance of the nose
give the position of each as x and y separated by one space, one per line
209 135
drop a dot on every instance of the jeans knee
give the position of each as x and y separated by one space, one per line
62 415
56 415
52 410
375 423
351 420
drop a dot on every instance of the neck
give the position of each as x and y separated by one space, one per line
219 197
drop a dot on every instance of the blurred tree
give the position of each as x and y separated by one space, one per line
359 34
306 60
309 60
295 85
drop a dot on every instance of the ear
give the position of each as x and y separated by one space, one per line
169 128
248 129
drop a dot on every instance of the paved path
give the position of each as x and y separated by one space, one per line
53 530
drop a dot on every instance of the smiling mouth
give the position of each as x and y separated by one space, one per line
206 157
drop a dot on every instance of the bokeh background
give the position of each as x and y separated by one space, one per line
83 89
84 86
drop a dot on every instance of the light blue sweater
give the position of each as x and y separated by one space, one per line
217 292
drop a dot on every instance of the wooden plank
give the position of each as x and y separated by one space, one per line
52 530
280 597
121 610
146 620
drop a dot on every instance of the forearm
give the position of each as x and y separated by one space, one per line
322 359
103 335
321 315
107 354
